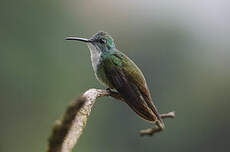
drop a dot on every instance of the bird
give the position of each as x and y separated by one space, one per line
118 72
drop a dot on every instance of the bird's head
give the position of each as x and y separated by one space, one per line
101 41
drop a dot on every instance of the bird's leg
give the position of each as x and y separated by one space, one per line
108 89
158 127
114 94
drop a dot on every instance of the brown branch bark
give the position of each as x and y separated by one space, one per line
66 132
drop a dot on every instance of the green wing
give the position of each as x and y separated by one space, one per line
129 81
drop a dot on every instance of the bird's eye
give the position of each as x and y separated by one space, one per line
103 41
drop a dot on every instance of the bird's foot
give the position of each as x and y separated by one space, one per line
108 89
114 94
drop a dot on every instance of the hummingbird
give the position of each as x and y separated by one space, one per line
118 72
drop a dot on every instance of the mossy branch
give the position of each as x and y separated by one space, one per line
66 132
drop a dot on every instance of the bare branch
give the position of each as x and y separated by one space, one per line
168 115
66 132
157 128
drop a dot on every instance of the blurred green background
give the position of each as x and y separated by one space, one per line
182 47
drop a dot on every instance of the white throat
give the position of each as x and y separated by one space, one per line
95 56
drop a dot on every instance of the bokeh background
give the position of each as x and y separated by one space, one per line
183 48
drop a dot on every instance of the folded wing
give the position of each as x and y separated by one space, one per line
128 80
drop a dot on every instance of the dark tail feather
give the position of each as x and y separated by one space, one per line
154 110
150 104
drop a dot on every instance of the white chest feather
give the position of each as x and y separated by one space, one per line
95 56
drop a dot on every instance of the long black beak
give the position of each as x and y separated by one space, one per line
78 39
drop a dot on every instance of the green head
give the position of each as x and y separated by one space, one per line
101 42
